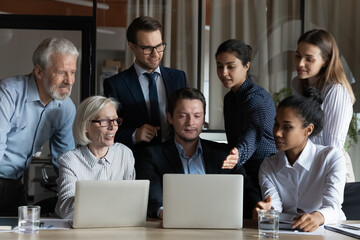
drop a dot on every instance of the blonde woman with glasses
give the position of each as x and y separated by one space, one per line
97 157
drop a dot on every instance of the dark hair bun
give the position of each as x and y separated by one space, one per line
308 108
313 94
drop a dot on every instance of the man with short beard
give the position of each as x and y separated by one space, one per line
187 153
33 109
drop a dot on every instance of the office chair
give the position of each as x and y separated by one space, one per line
49 183
351 204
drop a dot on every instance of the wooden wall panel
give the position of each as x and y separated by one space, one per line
115 16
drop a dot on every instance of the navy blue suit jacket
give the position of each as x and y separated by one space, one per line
156 160
125 88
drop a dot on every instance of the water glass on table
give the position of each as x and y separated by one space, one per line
268 223
29 219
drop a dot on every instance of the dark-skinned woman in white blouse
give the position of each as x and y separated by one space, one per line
302 180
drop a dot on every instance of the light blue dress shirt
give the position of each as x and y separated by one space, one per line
26 124
193 164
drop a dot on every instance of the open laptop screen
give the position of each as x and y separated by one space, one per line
203 201
110 203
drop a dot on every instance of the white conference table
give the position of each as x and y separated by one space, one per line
154 230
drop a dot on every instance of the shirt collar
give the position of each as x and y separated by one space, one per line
55 103
307 155
305 159
110 155
247 84
33 93
181 151
140 71
92 160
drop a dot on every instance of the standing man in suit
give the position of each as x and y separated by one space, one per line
35 108
187 153
143 89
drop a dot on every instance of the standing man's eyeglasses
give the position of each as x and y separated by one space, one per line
147 50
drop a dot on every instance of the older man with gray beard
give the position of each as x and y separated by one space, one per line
33 109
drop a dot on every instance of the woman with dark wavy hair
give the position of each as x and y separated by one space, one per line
249 110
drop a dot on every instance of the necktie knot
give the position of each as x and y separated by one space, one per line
151 77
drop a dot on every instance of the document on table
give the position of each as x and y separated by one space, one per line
352 230
51 223
54 223
285 226
320 231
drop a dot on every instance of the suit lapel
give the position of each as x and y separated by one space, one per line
172 155
167 81
132 82
209 158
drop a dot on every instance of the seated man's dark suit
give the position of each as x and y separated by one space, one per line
164 158
125 88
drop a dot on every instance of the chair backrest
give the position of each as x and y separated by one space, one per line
351 204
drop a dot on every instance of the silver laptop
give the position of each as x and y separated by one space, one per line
203 201
110 203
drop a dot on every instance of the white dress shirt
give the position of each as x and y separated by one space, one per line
81 164
338 111
161 91
315 182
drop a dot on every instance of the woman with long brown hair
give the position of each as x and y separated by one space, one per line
318 65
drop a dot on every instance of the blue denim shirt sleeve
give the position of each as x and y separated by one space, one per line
62 140
6 109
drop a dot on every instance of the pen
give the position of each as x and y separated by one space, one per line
349 227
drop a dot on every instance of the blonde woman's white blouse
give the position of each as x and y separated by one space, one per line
81 164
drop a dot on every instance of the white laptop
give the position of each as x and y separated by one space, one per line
203 201
110 203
